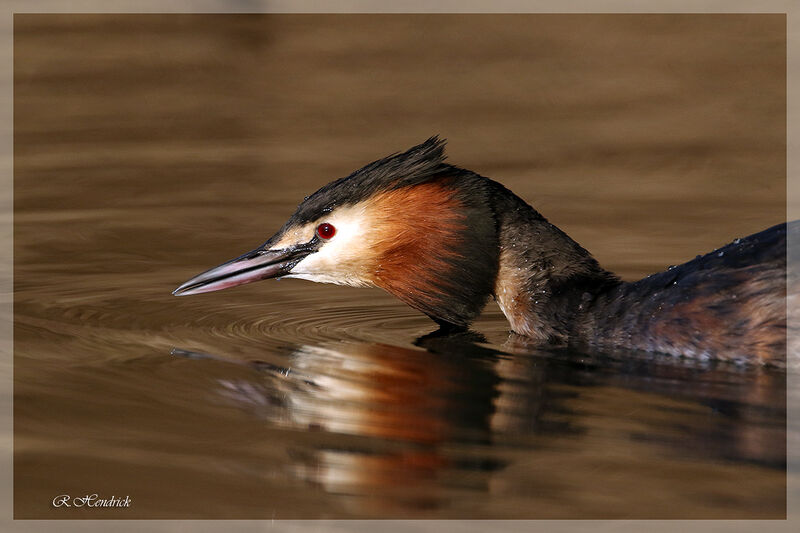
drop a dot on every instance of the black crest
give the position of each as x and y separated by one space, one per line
412 167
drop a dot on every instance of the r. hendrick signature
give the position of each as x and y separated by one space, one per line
90 500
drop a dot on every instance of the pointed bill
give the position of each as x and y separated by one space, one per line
253 266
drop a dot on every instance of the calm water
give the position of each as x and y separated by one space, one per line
149 148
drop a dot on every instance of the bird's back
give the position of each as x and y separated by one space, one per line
729 304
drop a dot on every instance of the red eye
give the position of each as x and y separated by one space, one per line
326 231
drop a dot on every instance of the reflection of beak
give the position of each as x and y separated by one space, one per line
252 266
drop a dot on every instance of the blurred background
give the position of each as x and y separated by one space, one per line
148 148
649 139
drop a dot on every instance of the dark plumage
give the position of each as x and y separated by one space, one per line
443 239
729 304
422 163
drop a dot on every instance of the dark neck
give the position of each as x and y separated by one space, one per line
545 280
728 304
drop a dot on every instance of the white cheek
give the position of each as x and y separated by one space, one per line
337 260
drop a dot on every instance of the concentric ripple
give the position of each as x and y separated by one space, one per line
96 315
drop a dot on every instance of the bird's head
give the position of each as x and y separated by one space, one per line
411 224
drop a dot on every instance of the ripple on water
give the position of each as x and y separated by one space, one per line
95 319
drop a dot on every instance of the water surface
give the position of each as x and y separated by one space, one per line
149 148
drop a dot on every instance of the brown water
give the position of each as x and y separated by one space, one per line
149 148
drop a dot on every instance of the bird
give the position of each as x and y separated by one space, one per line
444 240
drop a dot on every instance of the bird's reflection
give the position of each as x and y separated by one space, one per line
426 410
744 407
403 418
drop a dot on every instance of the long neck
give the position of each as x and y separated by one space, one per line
545 279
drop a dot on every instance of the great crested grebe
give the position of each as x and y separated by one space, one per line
443 239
